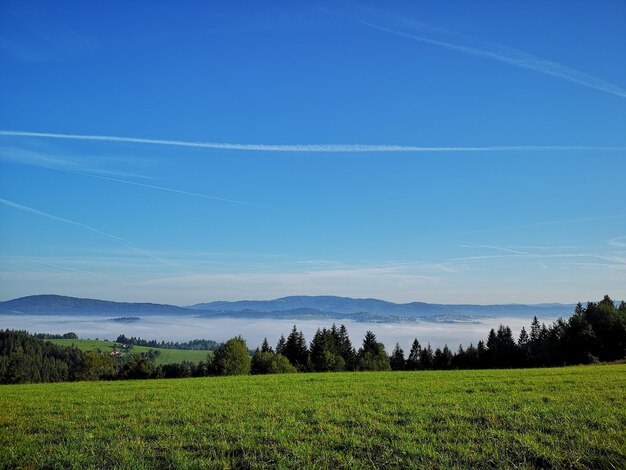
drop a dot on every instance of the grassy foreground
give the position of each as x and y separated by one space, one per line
167 356
569 417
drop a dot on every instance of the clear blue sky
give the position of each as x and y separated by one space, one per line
149 221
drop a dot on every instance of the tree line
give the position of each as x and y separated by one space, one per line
594 333
193 345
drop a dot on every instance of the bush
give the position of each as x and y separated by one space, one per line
270 363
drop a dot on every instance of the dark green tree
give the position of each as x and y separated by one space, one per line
413 361
296 349
344 348
136 367
265 347
324 353
280 346
232 358
270 363
443 358
427 358
397 360
523 348
96 366
372 355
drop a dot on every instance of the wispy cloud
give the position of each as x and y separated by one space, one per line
33 263
500 53
98 164
618 242
309 148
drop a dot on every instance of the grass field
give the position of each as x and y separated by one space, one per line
560 418
167 356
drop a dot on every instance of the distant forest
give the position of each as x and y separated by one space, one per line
195 344
594 333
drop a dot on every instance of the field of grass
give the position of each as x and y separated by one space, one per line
561 418
167 356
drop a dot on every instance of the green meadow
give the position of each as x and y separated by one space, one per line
525 418
167 356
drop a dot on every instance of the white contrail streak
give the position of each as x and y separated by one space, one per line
128 244
516 58
20 207
309 148
546 223
171 190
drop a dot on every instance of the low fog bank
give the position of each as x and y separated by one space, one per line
254 330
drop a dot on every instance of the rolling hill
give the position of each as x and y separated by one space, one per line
287 307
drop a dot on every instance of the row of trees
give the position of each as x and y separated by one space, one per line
594 333
195 344
329 351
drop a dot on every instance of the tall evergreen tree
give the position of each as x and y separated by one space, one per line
427 358
506 349
413 361
296 349
443 358
459 359
280 346
523 346
324 355
397 358
523 339
372 355
492 348
535 330
265 347
345 349
472 358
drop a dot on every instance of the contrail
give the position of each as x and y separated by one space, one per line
20 207
549 222
493 247
128 244
516 58
171 190
308 148
44 162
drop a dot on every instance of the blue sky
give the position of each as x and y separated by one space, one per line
445 152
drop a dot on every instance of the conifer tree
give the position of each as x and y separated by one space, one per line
280 346
345 349
535 330
324 352
372 355
397 358
413 361
265 347
523 347
426 358
296 349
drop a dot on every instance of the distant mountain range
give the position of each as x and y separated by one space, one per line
62 305
296 307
